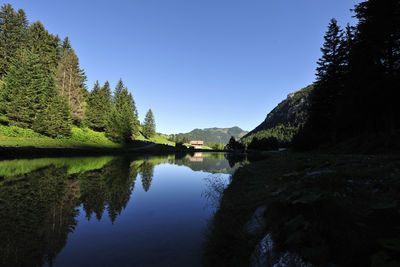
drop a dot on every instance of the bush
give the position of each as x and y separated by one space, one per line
15 131
4 120
86 135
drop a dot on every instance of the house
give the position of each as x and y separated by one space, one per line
197 144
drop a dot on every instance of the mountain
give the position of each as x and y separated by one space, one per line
285 119
213 135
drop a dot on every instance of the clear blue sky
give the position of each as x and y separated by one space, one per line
196 63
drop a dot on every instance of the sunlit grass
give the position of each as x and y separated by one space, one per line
15 136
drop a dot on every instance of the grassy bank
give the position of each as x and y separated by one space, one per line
328 208
14 136
155 139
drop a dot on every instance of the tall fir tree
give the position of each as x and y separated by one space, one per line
147 173
69 83
331 72
149 124
99 107
13 29
20 94
123 122
54 119
45 45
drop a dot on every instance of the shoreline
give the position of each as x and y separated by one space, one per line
7 152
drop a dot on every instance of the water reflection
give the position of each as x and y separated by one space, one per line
41 199
197 157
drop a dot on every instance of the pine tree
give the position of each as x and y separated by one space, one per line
66 45
45 45
13 28
99 107
123 122
147 173
69 82
329 65
328 87
149 125
54 119
25 89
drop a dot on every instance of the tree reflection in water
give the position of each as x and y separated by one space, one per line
40 198
38 209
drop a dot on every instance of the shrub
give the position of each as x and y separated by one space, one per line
15 131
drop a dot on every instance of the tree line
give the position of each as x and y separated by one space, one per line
357 82
42 86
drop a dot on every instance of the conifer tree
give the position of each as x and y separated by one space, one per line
123 122
54 119
328 87
43 44
25 89
69 83
66 45
13 28
149 125
30 93
147 173
99 107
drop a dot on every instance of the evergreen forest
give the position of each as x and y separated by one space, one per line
43 88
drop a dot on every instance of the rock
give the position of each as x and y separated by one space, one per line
289 259
257 221
265 255
318 172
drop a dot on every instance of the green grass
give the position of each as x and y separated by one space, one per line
15 136
156 139
12 136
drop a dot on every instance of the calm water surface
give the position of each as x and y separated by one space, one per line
103 211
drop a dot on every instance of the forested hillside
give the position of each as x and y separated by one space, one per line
211 135
42 87
285 120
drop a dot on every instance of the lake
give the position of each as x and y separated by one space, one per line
102 211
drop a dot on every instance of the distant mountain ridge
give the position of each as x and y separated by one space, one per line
286 118
214 135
